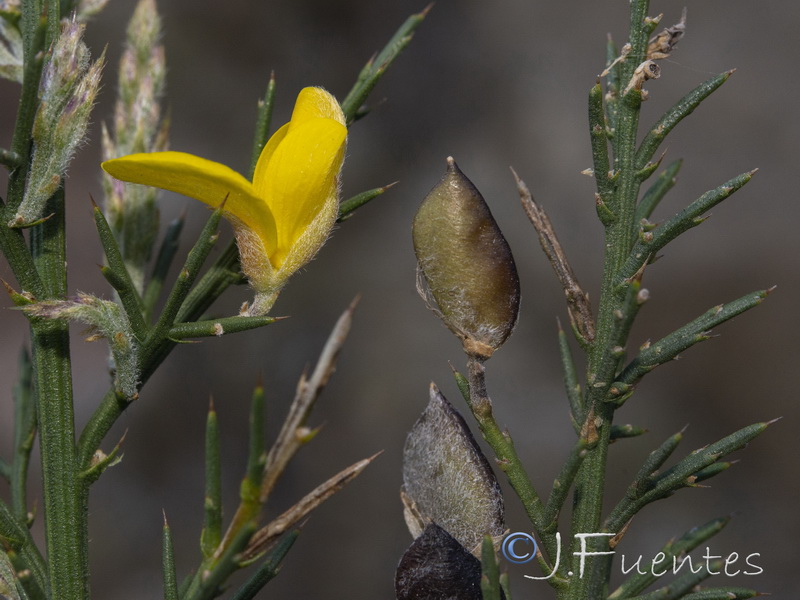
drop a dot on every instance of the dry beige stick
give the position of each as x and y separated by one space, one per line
269 534
293 433
626 50
580 310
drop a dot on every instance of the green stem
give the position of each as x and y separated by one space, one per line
507 459
675 115
64 509
66 530
599 137
21 142
588 505
562 484
117 274
490 579
349 206
215 570
42 271
689 217
111 407
53 21
571 384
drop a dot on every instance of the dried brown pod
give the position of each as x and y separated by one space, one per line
437 567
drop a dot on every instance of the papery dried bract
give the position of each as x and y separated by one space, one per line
447 479
662 45
467 264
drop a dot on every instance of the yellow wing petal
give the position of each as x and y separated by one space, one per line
300 177
266 155
202 179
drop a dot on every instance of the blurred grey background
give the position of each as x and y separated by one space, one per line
494 84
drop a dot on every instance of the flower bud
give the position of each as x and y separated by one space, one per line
132 211
67 92
467 264
89 8
65 64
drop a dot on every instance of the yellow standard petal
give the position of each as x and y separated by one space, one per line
311 103
205 180
316 103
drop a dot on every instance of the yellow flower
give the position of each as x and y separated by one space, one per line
285 215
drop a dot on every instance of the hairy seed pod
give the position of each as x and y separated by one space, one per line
466 264
447 479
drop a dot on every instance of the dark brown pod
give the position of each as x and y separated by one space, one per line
437 567
466 264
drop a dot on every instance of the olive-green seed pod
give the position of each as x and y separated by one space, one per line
466 264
